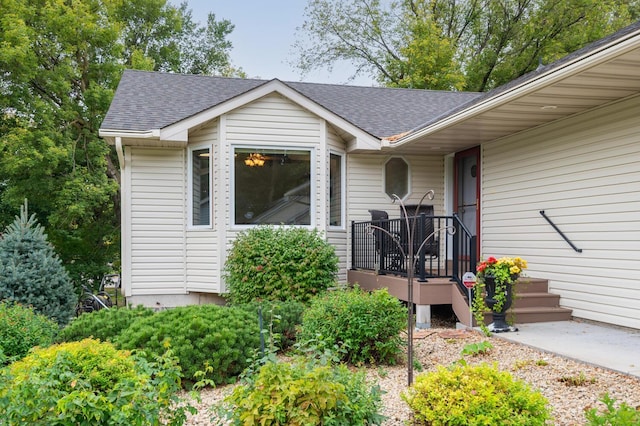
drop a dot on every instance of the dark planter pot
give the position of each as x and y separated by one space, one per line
499 324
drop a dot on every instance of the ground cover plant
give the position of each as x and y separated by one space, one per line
277 263
90 382
21 328
200 336
365 325
105 324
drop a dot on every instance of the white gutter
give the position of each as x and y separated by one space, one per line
607 52
144 134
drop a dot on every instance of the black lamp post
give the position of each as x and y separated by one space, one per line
410 263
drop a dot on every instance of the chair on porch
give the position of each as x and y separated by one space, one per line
432 244
389 254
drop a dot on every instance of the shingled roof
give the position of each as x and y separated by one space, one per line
151 100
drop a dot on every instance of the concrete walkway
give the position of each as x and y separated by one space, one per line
611 347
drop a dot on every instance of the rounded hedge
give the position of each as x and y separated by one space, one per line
475 395
277 263
105 324
89 382
366 326
21 328
219 337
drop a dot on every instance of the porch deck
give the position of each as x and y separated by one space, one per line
533 303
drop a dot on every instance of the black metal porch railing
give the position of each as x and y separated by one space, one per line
381 246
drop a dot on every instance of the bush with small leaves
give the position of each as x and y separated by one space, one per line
90 382
365 325
280 319
474 395
21 329
622 415
105 324
223 338
31 273
304 393
277 263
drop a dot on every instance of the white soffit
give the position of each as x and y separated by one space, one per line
597 79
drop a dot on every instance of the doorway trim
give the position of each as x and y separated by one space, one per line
471 152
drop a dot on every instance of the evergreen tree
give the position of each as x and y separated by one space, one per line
31 273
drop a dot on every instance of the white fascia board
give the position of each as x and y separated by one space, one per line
590 59
179 131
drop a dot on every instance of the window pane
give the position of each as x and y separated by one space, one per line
200 184
396 173
272 186
335 190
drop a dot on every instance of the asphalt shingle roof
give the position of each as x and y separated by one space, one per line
152 100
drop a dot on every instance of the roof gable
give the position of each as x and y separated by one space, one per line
151 101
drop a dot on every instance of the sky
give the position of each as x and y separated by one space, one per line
263 38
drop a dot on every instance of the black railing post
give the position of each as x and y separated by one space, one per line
353 244
420 242
456 248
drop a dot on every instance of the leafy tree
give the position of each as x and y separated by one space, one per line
31 273
60 63
453 44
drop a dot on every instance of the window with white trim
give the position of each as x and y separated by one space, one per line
396 177
336 182
272 186
200 182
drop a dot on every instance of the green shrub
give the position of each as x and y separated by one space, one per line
105 324
281 319
31 273
222 338
623 415
474 395
366 326
304 393
276 263
21 329
89 382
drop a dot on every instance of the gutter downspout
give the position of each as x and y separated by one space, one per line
120 152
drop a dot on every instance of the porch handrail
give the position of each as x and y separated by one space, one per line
573 246
454 255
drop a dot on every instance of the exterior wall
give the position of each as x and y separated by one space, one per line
155 221
170 263
365 186
338 236
584 172
203 257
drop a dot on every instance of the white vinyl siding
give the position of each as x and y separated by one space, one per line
336 236
365 185
202 251
584 173
158 215
274 121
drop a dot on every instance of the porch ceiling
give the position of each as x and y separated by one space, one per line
587 87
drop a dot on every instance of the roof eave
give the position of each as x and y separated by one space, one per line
589 59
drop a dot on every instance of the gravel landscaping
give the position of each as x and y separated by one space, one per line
570 386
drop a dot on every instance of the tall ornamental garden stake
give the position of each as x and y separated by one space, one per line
410 261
